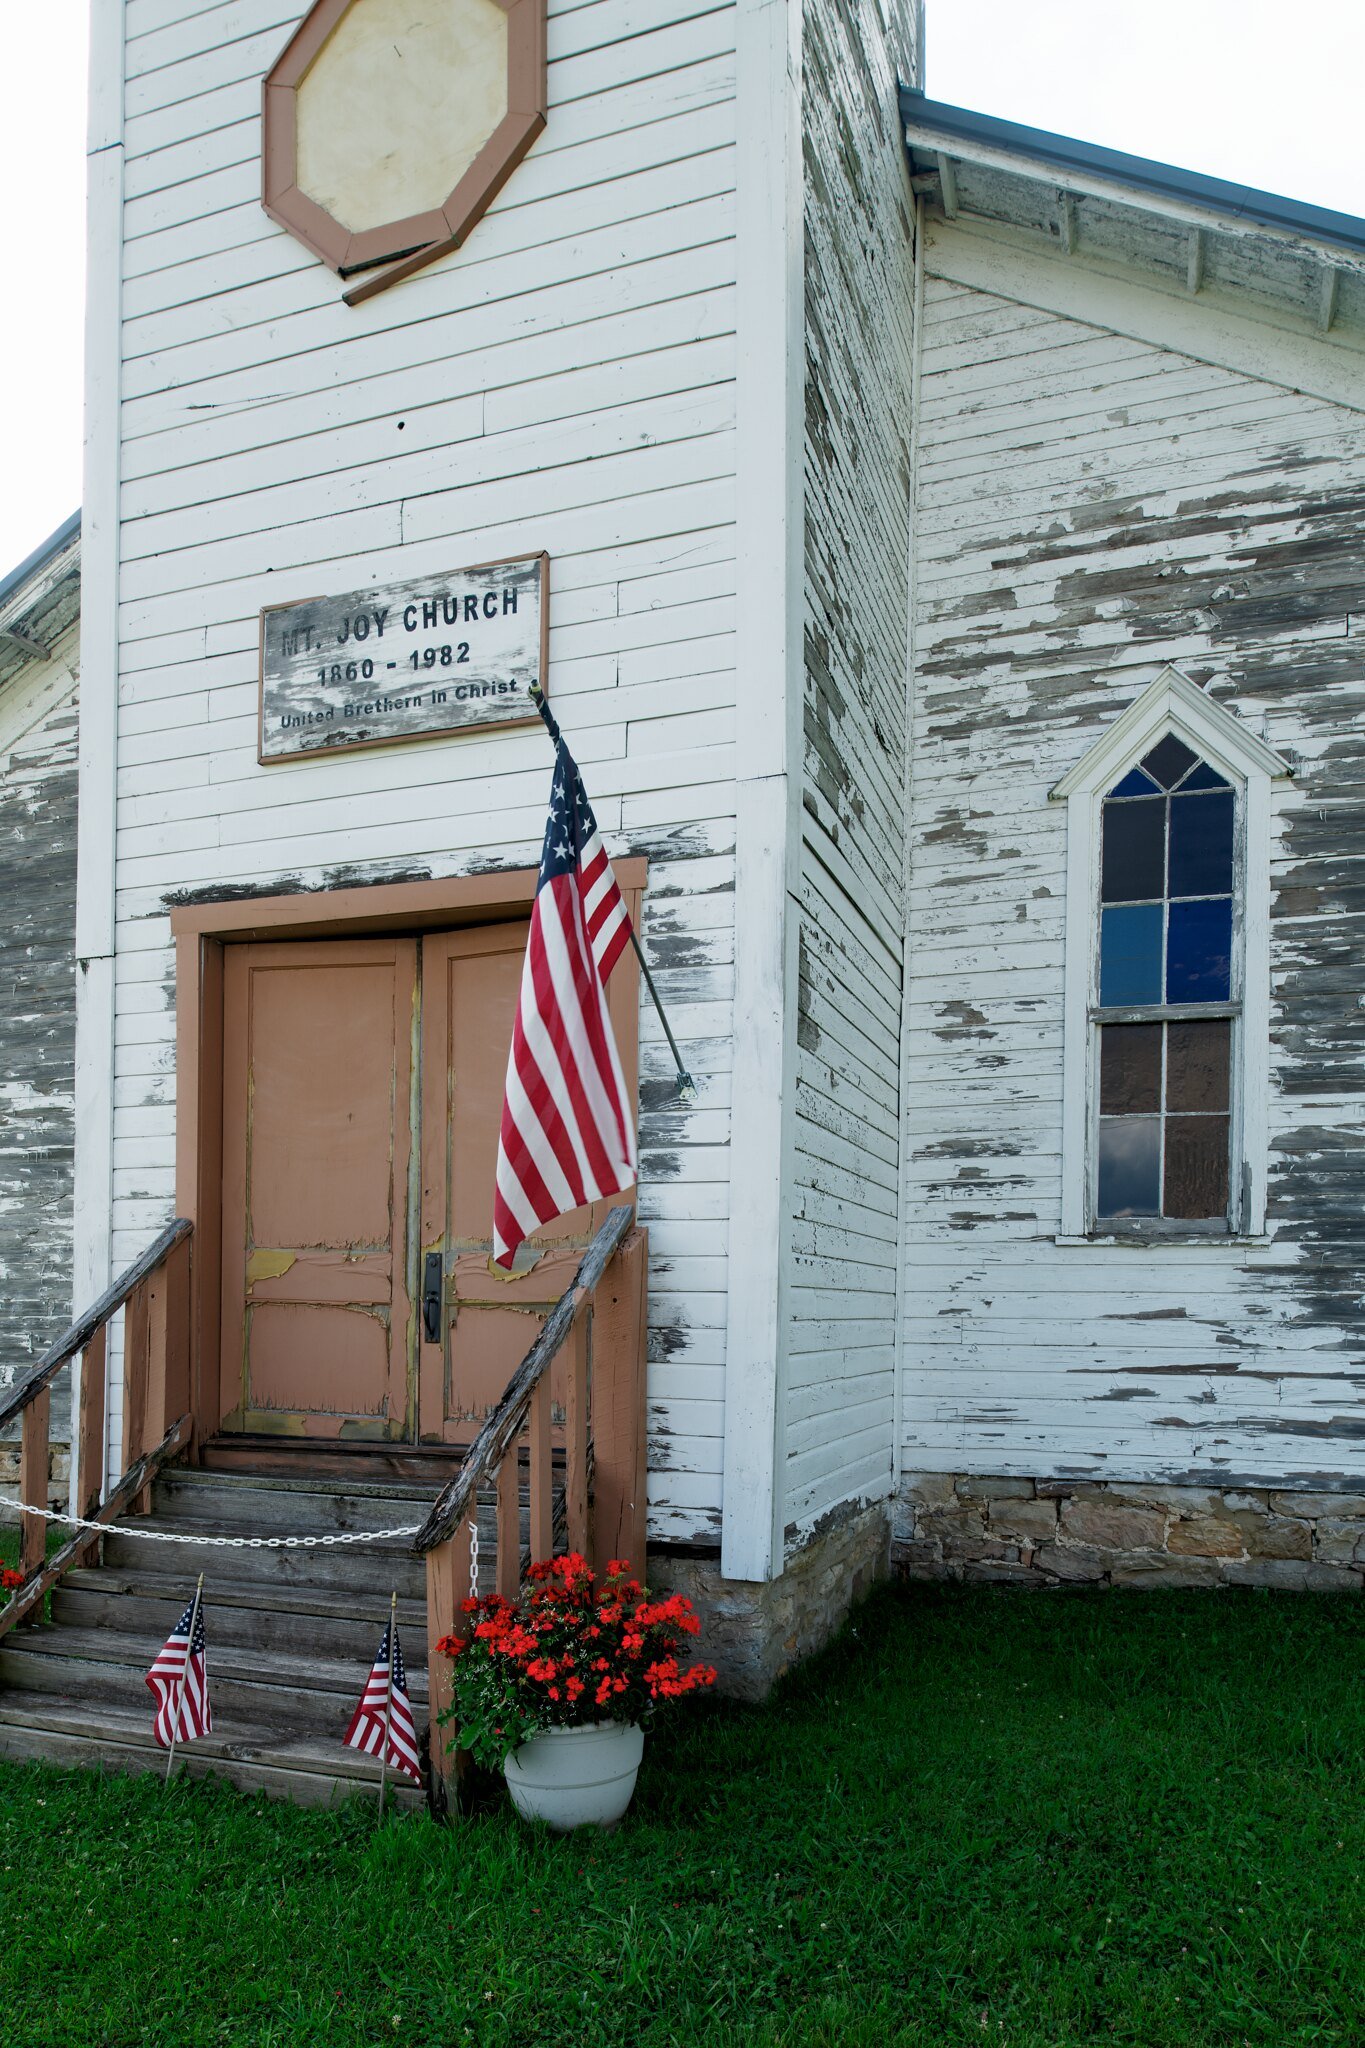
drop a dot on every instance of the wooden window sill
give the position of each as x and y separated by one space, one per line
1147 1241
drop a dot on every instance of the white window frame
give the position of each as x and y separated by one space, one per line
1171 702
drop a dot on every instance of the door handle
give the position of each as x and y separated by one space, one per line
433 1294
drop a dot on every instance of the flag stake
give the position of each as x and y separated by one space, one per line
388 1699
687 1091
180 1699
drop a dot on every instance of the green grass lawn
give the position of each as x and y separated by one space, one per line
1004 1818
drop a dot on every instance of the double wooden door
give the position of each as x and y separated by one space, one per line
362 1092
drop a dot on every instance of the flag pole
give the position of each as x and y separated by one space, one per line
388 1701
687 1091
184 1674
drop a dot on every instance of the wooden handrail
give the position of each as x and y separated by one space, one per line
504 1425
133 1482
599 1323
79 1334
156 1386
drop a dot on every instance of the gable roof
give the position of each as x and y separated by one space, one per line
1087 159
40 598
1284 261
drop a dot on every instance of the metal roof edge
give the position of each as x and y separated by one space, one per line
41 556
1062 153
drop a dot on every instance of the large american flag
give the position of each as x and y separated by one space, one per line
567 1132
379 1708
180 1681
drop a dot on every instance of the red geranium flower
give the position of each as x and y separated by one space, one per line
573 1651
9 1580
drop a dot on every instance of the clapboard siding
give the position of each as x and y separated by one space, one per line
38 773
1091 507
565 382
859 273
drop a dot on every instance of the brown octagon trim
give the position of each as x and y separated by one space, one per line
421 237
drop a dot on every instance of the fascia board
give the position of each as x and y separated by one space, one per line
1061 177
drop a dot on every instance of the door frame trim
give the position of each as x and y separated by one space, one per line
200 931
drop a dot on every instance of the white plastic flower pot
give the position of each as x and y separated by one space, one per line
576 1777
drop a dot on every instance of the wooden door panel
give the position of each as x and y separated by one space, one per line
470 985
327 1035
319 1359
319 1276
317 1137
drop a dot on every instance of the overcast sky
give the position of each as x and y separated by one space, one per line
1253 90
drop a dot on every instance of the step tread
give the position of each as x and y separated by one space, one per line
229 1660
190 1478
197 1532
59 1714
311 1602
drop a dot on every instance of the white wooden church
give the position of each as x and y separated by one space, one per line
940 544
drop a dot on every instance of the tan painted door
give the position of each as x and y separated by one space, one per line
485 1319
317 1142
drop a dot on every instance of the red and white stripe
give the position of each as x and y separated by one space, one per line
604 907
180 1683
383 1709
567 1133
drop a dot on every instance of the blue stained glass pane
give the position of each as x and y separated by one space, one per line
1130 1166
1130 954
1199 951
1169 760
1134 783
1133 863
1204 777
1201 844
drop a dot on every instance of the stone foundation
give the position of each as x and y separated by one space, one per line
1066 1532
58 1474
751 1632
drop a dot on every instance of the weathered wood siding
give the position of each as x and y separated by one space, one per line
1089 507
565 382
859 293
38 716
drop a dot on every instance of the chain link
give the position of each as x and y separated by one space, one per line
473 1560
216 1542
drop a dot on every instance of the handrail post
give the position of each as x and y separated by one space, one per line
137 1320
508 1482
447 1587
541 1471
576 1383
90 1422
619 1443
34 1456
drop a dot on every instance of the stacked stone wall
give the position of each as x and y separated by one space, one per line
753 1631
1063 1532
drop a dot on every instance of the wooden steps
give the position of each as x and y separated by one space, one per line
291 1632
58 1730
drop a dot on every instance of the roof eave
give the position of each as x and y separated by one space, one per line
47 552
932 123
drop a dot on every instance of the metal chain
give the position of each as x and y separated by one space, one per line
473 1560
214 1542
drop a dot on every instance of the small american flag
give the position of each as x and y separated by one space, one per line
380 1708
567 1132
180 1681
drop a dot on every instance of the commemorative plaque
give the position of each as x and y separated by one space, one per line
405 662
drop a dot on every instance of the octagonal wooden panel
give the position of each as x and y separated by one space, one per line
390 126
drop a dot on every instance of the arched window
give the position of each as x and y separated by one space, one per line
1167 972
1168 997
